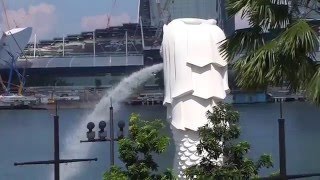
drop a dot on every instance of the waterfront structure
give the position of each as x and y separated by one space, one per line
105 55
80 59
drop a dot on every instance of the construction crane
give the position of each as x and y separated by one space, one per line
5 13
13 68
13 58
110 13
163 17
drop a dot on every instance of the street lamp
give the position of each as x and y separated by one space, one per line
103 134
57 161
282 144
121 125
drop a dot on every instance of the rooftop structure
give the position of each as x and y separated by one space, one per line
113 40
81 61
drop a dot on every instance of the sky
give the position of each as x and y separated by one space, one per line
55 18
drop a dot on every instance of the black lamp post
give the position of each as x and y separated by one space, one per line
282 151
57 161
103 134
282 144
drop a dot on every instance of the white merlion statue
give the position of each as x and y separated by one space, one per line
195 76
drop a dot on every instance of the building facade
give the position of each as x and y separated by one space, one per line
163 11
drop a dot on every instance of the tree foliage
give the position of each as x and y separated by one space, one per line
136 152
223 157
278 48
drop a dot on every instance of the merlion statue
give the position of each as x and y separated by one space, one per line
195 76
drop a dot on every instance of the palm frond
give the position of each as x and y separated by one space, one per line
269 14
297 44
264 13
236 6
253 69
241 42
313 89
299 38
295 72
285 58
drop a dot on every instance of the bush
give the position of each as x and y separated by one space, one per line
224 158
136 152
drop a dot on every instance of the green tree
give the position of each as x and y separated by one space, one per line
223 157
137 152
278 48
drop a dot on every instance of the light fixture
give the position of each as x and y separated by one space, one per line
91 134
121 125
102 133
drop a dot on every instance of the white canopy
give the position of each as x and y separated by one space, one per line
13 42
